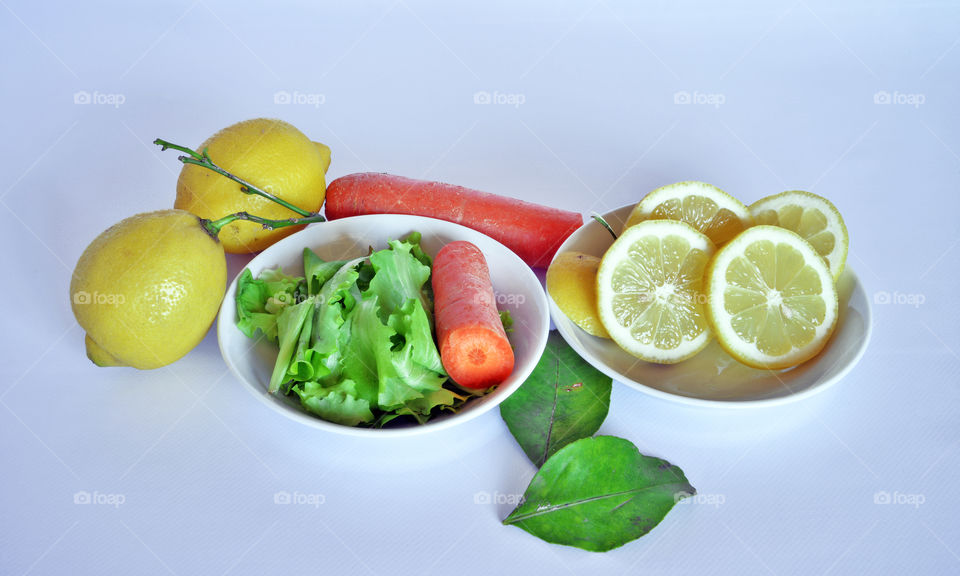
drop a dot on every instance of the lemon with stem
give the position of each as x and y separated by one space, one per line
266 155
147 289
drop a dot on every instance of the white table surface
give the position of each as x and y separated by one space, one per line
587 113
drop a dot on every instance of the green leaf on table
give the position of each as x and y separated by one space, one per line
563 400
598 494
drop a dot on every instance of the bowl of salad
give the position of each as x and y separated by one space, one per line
336 326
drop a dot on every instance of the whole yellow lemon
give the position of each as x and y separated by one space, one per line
273 156
147 289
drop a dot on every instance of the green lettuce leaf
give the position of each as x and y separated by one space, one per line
507 320
317 271
399 277
338 403
413 239
289 324
411 322
277 281
260 300
307 364
328 320
366 348
400 375
355 337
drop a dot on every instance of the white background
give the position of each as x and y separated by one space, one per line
783 96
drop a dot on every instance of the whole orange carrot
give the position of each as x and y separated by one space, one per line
473 344
533 231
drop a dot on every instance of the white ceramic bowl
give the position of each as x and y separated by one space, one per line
713 377
515 284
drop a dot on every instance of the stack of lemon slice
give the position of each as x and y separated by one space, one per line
693 261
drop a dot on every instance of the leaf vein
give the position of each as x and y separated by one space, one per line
686 487
553 410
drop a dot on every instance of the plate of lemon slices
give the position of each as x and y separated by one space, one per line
705 300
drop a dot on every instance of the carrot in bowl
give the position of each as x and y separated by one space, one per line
473 344
533 231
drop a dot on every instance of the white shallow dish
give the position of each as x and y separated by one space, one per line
713 377
514 283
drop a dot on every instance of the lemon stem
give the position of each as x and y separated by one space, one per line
604 223
203 160
213 227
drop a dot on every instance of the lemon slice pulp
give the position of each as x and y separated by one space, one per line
813 217
707 208
771 298
649 291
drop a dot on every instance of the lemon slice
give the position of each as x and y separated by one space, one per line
813 217
771 299
707 208
572 283
649 291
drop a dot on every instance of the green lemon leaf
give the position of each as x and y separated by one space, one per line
598 494
563 400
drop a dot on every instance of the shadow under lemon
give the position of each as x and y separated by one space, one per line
715 375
